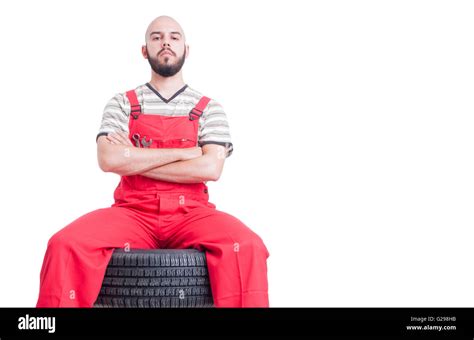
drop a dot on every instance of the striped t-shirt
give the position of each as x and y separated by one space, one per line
213 125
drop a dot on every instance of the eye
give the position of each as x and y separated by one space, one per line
155 38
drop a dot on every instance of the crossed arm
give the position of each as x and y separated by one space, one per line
117 154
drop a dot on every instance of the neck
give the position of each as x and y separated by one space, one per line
167 84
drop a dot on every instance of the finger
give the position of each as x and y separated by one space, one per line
127 140
123 136
114 139
110 141
112 136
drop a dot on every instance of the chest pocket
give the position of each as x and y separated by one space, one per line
176 143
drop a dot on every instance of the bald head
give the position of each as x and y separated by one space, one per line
164 24
165 46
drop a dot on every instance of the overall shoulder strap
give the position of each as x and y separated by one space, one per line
199 108
135 107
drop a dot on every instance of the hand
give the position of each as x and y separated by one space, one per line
119 138
190 153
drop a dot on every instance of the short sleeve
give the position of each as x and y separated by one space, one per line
214 127
115 116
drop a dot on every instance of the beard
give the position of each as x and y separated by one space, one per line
165 69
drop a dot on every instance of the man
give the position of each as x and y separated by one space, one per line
166 141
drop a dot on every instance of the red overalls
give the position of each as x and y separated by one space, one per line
149 213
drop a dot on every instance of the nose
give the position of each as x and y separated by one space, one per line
165 42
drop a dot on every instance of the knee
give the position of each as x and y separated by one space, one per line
60 240
245 239
252 244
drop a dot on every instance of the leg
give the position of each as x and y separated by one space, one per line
77 256
236 256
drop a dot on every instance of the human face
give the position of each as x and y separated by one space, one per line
166 51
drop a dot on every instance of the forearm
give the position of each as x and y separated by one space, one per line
197 170
127 160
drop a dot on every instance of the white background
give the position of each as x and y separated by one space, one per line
351 120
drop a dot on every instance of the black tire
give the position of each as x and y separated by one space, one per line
156 278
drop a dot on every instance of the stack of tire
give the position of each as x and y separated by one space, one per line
156 278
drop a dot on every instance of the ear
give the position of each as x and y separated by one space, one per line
144 53
187 51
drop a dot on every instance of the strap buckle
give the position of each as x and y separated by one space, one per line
195 112
134 109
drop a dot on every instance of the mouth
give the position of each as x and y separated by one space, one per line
166 53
